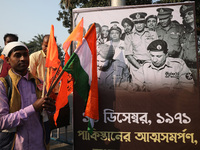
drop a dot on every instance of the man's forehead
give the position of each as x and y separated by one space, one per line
21 51
156 52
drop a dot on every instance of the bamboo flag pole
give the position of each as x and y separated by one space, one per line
54 83
44 113
54 77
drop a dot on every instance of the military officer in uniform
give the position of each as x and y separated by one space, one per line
112 74
128 27
163 72
151 22
169 31
188 40
136 43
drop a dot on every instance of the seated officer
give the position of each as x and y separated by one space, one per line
111 73
163 72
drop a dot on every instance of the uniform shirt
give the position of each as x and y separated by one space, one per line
117 75
29 134
136 44
119 51
172 37
37 64
173 74
188 43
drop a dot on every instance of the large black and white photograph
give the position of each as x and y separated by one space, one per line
145 49
148 81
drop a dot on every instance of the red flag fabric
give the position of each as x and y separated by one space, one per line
52 60
66 89
76 35
52 51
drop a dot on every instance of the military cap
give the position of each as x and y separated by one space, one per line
106 51
164 12
127 20
116 28
151 16
140 16
185 8
157 45
13 45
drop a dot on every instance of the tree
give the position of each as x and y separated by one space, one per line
65 15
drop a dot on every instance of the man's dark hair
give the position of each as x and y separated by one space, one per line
46 35
14 36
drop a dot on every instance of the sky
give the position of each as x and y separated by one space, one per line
30 18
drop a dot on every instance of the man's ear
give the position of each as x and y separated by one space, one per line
8 60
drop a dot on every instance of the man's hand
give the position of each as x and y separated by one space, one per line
49 104
38 104
45 103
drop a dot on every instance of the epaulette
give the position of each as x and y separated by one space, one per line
176 60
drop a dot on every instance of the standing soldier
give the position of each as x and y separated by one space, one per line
128 27
169 31
136 43
188 41
151 22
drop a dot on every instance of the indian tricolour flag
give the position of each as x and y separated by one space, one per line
82 65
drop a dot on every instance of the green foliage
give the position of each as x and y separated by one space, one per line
65 14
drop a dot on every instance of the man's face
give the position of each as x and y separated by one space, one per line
45 44
151 23
105 31
102 63
19 61
165 22
127 28
158 58
189 17
139 26
115 35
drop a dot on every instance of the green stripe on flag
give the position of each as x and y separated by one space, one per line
81 78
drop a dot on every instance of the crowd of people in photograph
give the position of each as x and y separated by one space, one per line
158 51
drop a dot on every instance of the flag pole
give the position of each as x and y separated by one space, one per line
54 83
54 77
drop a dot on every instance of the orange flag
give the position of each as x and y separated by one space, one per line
76 35
52 61
66 87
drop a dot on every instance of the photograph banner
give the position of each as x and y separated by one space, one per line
148 80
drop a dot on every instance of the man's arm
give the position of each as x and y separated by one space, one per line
33 64
11 120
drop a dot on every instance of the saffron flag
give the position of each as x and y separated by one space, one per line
82 65
66 87
52 60
76 35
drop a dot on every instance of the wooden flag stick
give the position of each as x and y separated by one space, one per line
55 82
54 77
44 83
